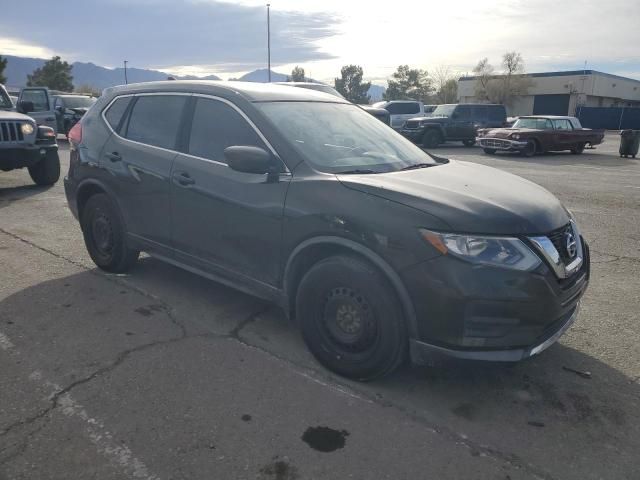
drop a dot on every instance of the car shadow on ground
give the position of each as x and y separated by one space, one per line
550 405
12 194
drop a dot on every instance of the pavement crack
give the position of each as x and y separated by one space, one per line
235 332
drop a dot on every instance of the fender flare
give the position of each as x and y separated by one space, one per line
93 182
375 259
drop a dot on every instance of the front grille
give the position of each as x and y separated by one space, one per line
495 143
10 132
412 124
557 237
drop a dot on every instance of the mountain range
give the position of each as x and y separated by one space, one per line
101 77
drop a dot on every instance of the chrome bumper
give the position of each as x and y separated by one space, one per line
500 143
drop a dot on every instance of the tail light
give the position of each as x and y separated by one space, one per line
75 134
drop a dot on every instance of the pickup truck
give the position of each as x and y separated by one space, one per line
403 110
23 143
535 134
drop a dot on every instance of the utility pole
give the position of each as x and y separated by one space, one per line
125 72
269 41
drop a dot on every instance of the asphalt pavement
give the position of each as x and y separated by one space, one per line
160 374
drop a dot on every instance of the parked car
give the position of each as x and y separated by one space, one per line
402 110
40 100
70 108
302 198
380 113
454 122
538 134
24 144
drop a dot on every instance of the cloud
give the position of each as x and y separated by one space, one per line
166 33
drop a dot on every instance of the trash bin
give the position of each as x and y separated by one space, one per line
629 143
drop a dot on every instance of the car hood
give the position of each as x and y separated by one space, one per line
11 115
374 110
505 132
470 198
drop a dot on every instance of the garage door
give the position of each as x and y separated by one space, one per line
551 104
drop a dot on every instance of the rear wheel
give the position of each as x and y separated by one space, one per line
431 139
530 149
578 149
468 143
47 170
351 319
489 151
104 235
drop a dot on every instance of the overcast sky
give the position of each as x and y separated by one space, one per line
228 38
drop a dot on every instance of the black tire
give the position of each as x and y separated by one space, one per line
489 151
431 139
468 143
350 318
578 149
47 170
104 235
530 150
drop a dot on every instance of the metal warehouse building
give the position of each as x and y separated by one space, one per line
564 93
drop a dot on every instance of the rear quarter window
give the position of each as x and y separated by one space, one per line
114 113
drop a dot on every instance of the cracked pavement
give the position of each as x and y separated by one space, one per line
160 374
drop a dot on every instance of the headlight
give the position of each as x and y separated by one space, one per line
502 252
515 136
26 128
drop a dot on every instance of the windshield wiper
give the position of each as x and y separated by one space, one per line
416 166
355 171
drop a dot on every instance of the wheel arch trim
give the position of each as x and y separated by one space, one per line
373 257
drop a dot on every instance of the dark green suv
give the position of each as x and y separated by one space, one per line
458 122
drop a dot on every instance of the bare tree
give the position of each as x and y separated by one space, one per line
502 88
445 83
484 73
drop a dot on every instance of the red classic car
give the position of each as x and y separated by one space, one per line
538 134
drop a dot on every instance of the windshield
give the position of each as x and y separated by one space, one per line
5 101
534 123
343 138
78 102
443 110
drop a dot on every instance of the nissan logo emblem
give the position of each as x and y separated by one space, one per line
570 244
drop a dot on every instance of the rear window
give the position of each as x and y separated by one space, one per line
404 108
114 113
155 120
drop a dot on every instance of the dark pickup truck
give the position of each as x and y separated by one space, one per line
539 134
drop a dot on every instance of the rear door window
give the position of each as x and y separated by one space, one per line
480 113
115 112
155 120
410 108
497 113
217 126
38 97
562 124
463 112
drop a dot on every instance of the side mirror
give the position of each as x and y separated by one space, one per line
248 159
25 106
60 109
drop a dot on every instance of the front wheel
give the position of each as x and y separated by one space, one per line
47 170
351 319
431 139
530 149
105 236
468 143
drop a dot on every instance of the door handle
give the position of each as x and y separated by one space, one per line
184 179
114 156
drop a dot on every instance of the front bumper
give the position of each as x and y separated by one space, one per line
486 313
25 155
503 144
413 134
